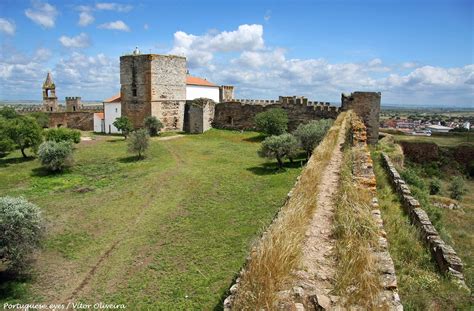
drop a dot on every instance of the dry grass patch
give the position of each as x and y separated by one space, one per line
357 278
279 249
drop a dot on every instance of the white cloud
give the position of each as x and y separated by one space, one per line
200 49
146 27
375 62
80 41
43 14
409 65
117 25
111 6
7 26
85 18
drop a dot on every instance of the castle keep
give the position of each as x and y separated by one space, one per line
153 85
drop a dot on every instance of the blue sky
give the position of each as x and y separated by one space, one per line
414 52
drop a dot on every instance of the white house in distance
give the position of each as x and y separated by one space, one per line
195 88
438 128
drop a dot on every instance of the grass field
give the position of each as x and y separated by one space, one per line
167 232
442 141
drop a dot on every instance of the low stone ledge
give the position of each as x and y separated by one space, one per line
444 255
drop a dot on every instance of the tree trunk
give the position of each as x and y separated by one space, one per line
23 153
280 163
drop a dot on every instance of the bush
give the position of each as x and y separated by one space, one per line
42 118
153 125
435 186
63 134
55 156
6 143
279 147
310 135
412 177
272 122
138 142
457 188
124 125
21 228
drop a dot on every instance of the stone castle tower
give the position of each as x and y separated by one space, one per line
73 104
153 85
50 101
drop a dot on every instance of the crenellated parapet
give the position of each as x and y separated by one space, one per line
240 113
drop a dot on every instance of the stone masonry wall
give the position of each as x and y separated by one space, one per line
444 255
364 176
153 85
367 106
240 114
198 115
76 120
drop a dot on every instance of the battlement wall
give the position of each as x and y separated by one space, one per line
240 113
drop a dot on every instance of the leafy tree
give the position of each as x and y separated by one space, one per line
8 113
435 186
63 134
6 143
272 121
310 135
55 156
124 125
153 125
25 133
21 228
42 118
279 147
138 142
457 188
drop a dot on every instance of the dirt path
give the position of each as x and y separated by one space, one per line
317 272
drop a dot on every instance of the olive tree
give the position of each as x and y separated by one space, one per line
153 125
138 142
21 228
272 122
55 156
279 148
310 134
63 134
457 188
124 125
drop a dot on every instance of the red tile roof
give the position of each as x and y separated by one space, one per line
190 80
99 114
114 99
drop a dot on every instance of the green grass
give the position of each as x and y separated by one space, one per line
440 140
421 286
169 232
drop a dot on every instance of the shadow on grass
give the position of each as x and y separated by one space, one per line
42 172
131 159
255 139
10 161
115 140
12 285
272 168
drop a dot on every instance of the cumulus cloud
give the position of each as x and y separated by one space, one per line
117 25
79 41
85 18
200 49
77 74
43 14
111 6
7 27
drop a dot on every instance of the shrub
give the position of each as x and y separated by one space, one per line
25 133
6 143
310 135
42 118
124 125
279 147
138 142
412 177
457 188
153 125
55 156
435 186
272 122
8 113
20 231
63 134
